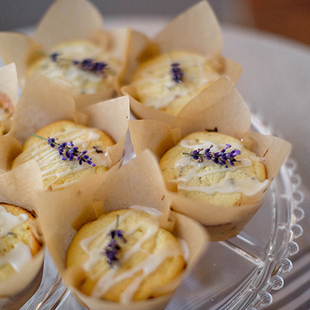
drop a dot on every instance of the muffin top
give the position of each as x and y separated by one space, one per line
17 242
86 66
167 82
57 173
202 179
149 257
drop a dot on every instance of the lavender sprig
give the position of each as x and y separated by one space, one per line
220 158
112 249
88 64
176 72
68 151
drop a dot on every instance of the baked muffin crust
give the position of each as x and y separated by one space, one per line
150 259
208 181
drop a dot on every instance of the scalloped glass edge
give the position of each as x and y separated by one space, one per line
294 196
253 297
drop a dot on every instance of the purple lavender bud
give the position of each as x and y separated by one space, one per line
176 72
86 64
54 56
195 152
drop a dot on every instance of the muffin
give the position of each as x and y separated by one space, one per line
148 257
169 81
198 172
18 243
88 67
59 171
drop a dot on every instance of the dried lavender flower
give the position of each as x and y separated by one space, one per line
176 72
112 249
68 151
88 64
97 149
220 158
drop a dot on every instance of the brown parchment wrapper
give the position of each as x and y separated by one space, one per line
219 107
196 30
139 182
8 93
42 102
65 20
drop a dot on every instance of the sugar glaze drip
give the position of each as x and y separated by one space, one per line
9 221
21 253
195 78
148 265
18 257
247 186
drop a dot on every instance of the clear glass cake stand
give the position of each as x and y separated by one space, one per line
240 273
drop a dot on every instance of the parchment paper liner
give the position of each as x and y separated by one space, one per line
17 289
220 107
42 102
65 20
139 182
196 30
8 89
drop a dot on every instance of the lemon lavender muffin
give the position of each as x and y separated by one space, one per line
63 157
125 256
214 168
18 243
169 81
88 67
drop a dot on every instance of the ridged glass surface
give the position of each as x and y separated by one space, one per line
240 273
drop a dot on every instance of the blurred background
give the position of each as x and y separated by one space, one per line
289 18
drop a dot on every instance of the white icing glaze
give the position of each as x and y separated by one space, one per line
84 81
184 247
148 265
18 257
247 186
244 162
47 156
95 254
9 221
148 210
158 80
192 144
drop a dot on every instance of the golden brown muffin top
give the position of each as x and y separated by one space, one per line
56 172
210 182
149 260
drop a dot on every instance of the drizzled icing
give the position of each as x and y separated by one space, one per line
9 221
158 80
21 253
148 210
85 82
18 257
192 144
247 186
50 162
138 272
